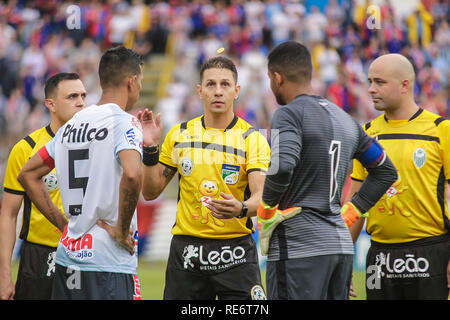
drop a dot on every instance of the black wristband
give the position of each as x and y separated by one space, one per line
150 155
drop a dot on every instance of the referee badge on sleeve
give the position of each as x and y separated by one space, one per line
230 173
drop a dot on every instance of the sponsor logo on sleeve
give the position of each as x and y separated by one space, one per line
131 137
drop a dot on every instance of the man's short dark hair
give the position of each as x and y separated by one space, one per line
52 83
292 60
116 64
219 63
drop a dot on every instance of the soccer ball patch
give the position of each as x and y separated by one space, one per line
187 166
51 181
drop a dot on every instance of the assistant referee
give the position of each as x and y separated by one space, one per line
64 96
410 224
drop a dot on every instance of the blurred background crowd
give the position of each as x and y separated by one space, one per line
40 38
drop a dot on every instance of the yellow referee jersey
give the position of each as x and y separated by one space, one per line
35 227
210 161
415 206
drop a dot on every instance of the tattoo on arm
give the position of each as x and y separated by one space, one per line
53 214
168 173
130 200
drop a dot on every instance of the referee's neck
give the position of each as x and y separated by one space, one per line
404 112
218 121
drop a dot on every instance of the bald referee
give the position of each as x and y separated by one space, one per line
310 250
409 256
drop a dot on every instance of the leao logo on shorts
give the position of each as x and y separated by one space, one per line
407 267
83 133
214 259
410 264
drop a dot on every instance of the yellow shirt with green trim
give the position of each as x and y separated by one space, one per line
35 227
210 161
415 206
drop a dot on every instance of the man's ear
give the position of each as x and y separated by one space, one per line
130 82
50 104
406 86
279 79
238 89
199 90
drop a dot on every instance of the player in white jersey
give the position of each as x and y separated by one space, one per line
97 155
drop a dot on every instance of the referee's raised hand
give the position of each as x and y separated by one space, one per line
151 127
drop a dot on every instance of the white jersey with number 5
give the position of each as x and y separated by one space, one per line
86 156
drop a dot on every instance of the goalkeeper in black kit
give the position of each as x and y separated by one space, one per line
303 227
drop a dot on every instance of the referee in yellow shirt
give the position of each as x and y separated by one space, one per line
219 158
410 244
64 96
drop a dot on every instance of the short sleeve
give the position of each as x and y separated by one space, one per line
257 152
167 156
444 138
50 146
17 158
128 136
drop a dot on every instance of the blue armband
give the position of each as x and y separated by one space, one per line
373 156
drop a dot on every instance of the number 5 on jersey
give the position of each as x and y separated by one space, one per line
77 182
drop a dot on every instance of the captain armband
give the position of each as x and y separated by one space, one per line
45 156
373 156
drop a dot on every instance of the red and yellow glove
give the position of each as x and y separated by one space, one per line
268 219
351 214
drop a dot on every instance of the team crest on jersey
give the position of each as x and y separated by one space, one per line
187 166
51 181
419 157
230 173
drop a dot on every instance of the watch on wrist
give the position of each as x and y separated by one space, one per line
244 210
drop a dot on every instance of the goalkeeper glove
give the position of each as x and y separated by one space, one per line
350 213
268 219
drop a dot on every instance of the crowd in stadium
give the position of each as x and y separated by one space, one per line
35 43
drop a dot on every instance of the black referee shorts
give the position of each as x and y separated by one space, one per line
412 270
36 272
203 269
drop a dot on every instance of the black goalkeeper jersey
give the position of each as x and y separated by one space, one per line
313 144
